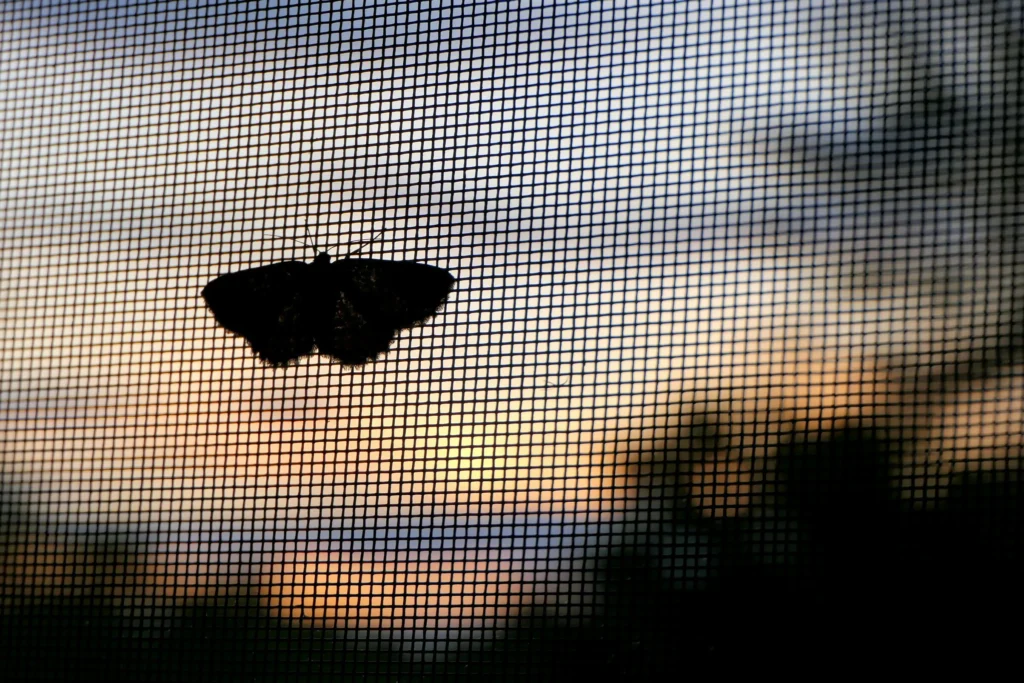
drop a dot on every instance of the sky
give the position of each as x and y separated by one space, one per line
665 220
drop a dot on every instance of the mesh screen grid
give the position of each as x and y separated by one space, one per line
730 374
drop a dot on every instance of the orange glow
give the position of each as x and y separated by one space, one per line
394 596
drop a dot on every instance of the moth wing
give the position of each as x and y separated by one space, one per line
269 306
374 300
399 293
350 336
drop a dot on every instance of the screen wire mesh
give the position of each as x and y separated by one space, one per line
730 375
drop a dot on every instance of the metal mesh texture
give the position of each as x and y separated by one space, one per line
730 376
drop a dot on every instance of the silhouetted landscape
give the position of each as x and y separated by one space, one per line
866 581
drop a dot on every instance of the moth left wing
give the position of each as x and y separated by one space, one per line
270 306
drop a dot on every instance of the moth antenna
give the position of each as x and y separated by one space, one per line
309 242
365 244
298 241
309 238
304 243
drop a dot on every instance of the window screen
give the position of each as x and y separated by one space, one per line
730 374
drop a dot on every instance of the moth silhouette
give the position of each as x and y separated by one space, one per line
350 309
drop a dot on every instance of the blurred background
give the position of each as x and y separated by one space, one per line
731 375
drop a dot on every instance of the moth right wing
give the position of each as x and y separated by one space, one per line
400 294
270 306
349 335
374 299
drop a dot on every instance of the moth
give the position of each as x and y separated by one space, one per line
349 309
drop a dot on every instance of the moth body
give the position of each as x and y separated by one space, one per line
350 309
